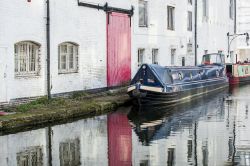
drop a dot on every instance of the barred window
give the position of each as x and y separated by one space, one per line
143 13
68 58
70 152
31 156
26 58
171 18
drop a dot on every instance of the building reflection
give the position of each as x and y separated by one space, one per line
119 140
209 131
185 135
24 149
70 153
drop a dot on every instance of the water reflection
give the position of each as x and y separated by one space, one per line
209 131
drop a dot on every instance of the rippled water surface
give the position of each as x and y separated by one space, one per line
214 130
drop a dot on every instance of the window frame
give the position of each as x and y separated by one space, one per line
140 56
173 56
205 8
144 10
190 21
155 54
26 58
75 53
171 17
231 9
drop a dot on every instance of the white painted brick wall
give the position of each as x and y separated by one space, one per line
243 26
212 34
156 35
22 21
87 27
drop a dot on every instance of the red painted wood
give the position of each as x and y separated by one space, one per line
119 140
118 49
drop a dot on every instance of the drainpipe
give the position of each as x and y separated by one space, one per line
48 50
195 33
235 16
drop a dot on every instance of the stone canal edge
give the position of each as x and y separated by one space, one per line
60 110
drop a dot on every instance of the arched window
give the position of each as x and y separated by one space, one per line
68 58
26 58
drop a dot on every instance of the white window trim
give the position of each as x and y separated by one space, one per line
17 52
67 70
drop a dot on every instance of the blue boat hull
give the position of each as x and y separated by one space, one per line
145 97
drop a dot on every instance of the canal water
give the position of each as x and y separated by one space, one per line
214 130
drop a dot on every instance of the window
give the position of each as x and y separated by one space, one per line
171 18
173 52
155 56
70 152
171 156
141 53
26 58
189 48
143 13
190 2
189 26
231 9
31 156
205 52
205 8
68 58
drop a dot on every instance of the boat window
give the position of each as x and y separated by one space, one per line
180 75
212 59
167 77
199 74
175 76
191 76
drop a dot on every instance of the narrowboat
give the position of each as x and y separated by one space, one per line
155 84
238 73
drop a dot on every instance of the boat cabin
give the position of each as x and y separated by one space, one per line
213 59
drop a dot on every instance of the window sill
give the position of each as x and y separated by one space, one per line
27 75
171 30
67 72
143 26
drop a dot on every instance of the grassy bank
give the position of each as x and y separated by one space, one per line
42 111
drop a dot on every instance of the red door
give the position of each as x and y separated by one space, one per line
118 49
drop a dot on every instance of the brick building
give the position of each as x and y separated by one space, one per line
102 43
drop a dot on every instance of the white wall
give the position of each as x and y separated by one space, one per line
212 32
87 28
16 143
156 35
93 137
243 19
21 21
